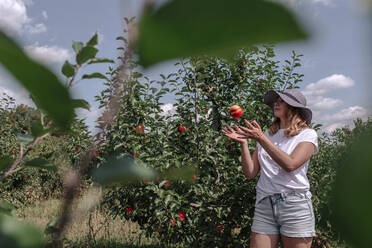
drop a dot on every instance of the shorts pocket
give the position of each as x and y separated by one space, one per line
295 199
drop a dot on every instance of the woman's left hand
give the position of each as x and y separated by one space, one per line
252 132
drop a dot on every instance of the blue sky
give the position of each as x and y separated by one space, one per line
336 62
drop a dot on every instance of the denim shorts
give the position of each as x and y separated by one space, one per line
290 214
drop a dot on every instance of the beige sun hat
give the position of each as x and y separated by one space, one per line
293 98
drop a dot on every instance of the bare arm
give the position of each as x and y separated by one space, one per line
250 165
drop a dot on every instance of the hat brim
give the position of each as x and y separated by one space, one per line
271 96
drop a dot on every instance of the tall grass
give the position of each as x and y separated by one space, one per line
96 229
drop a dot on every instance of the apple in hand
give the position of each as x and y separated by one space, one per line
236 111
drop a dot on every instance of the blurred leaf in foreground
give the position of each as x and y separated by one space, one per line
216 27
122 171
47 91
351 208
16 234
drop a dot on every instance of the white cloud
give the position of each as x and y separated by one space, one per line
20 96
323 103
334 126
13 16
44 14
325 2
15 20
299 3
36 29
323 107
350 113
168 109
333 82
344 117
90 117
48 54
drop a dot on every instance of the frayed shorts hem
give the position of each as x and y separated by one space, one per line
299 235
266 233
289 235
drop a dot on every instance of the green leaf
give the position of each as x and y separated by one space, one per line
124 170
16 234
41 164
68 69
6 207
38 130
5 163
137 74
77 46
121 38
47 91
100 60
93 41
188 28
95 75
25 138
80 103
85 54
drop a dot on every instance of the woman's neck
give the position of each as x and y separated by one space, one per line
283 123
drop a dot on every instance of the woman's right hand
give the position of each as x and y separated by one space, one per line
229 132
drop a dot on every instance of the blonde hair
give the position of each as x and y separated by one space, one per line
296 123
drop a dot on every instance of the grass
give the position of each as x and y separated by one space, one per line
95 229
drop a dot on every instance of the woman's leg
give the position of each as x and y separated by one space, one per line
263 240
296 242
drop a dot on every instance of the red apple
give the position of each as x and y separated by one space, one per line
220 228
181 129
181 216
167 184
78 148
140 129
95 153
236 111
194 177
14 151
173 221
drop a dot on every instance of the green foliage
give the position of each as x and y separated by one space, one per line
29 183
191 28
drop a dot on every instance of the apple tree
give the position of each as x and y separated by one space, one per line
215 205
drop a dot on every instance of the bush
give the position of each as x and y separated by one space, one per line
29 184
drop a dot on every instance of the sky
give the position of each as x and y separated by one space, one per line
336 62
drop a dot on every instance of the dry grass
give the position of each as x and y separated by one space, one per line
101 227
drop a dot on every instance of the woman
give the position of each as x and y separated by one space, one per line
283 209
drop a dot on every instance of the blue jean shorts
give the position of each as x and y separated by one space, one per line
290 214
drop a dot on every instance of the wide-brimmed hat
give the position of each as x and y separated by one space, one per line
292 97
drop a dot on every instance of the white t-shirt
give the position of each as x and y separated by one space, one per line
273 178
